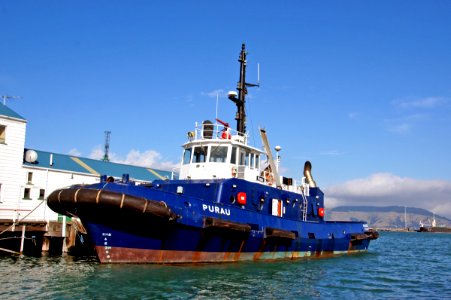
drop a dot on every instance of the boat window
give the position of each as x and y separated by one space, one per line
218 154
247 159
242 158
233 158
257 161
187 156
252 156
200 154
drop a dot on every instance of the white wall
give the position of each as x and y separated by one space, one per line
49 180
11 158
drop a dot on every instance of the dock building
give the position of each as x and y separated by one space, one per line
27 176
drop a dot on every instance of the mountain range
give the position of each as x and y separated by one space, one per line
386 216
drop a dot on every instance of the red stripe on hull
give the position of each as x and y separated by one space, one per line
131 255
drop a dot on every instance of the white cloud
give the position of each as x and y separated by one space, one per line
331 153
74 152
353 115
148 158
404 125
400 128
428 102
214 93
385 189
97 152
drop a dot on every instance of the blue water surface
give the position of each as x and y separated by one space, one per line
397 266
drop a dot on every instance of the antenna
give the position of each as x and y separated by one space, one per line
240 98
217 102
258 74
107 146
8 97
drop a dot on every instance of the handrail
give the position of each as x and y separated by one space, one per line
219 132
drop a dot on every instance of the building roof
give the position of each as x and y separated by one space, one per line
8 112
76 164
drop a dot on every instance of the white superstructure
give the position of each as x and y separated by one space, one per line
216 151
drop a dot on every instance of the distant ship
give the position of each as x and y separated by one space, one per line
433 227
227 205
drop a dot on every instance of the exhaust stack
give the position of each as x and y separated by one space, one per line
308 174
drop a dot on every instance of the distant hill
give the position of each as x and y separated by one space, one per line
385 216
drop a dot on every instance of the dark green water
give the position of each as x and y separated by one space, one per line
398 265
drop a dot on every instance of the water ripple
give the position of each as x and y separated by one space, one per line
399 265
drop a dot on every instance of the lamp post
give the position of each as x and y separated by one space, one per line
277 148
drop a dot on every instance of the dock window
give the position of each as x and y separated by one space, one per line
187 156
26 193
41 194
2 134
29 177
218 154
200 154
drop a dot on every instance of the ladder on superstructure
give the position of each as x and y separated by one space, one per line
304 206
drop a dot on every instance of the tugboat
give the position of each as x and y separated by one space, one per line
226 206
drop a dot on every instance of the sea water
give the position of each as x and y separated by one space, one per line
398 265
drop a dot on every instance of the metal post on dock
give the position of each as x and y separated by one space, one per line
22 240
63 234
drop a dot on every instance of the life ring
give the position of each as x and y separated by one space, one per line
234 172
225 135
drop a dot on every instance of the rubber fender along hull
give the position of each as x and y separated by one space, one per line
81 202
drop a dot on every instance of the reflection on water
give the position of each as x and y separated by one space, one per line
399 265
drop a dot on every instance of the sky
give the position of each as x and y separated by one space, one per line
362 89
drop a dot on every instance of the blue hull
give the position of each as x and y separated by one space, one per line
190 245
209 228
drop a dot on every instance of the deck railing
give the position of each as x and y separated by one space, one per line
216 131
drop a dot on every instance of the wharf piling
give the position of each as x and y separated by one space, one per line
34 237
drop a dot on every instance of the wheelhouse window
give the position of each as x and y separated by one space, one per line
2 134
218 154
242 158
252 156
233 156
200 154
246 162
187 156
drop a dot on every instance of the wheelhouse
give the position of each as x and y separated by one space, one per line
216 151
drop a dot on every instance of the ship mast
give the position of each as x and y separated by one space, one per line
242 91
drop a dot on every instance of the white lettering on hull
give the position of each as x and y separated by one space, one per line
216 209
